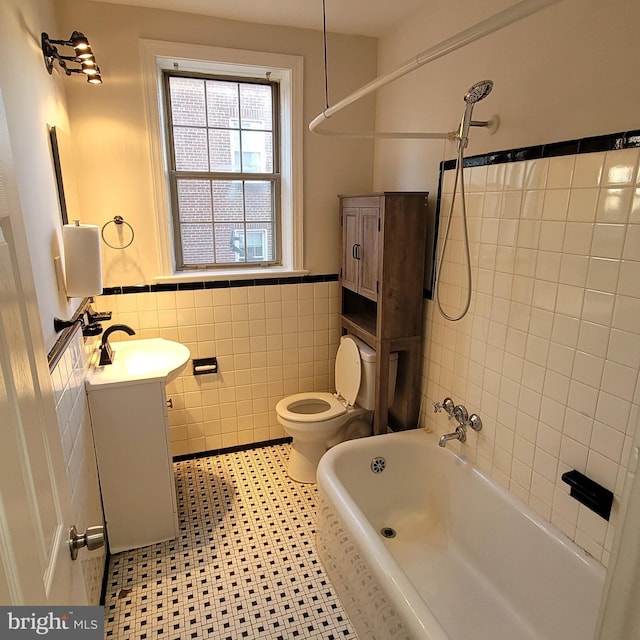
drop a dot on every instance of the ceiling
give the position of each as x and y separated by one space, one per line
361 17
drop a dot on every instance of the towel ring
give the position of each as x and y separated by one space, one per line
121 224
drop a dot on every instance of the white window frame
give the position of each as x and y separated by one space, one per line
285 69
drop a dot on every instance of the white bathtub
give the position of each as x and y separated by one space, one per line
468 562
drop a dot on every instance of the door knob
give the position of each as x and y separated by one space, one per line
92 538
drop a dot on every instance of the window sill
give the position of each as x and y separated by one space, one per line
230 274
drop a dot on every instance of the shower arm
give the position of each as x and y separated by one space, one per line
467 36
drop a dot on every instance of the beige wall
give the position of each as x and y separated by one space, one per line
565 73
34 99
112 141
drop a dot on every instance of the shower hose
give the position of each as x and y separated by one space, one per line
459 176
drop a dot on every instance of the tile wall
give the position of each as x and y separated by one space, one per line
77 445
549 354
270 340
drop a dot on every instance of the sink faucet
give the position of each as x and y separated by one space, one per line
106 352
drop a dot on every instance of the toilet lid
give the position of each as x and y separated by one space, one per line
348 370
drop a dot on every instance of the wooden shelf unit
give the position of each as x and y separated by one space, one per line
381 276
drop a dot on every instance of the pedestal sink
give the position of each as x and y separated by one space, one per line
130 422
146 359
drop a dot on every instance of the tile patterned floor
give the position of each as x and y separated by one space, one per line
244 566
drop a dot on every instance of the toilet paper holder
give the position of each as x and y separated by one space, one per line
201 366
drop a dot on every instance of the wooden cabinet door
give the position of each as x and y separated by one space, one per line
367 252
350 239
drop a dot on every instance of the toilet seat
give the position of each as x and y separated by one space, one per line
348 370
313 406
286 408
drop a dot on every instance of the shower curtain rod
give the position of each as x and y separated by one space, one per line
467 36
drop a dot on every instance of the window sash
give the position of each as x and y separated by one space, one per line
274 177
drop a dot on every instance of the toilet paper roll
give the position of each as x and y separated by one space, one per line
82 259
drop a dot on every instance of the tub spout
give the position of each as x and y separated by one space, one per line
459 434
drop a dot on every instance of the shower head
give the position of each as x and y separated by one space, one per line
479 91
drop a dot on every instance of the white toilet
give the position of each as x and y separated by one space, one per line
319 420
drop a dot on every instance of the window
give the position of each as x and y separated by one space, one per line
248 163
253 243
223 155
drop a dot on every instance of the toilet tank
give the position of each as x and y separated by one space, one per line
367 392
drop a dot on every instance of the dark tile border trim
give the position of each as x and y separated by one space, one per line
239 447
609 142
197 285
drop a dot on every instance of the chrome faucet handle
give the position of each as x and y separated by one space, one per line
461 415
475 422
447 405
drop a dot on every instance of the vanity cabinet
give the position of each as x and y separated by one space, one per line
383 252
131 435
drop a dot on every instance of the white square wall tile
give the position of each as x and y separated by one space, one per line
588 169
603 470
598 307
624 348
626 314
582 205
582 398
556 204
560 172
629 281
570 300
620 167
535 173
552 233
619 380
603 274
614 205
561 359
577 426
573 269
607 441
593 338
631 250
608 240
574 454
577 238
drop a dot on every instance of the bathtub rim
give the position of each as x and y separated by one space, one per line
411 606
374 552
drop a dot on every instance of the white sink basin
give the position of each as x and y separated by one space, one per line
147 359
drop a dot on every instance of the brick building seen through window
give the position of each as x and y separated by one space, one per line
223 170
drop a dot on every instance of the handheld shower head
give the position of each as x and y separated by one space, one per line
479 91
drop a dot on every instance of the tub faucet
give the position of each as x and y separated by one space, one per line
106 352
464 420
459 434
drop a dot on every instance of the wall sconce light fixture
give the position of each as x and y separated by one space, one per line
83 56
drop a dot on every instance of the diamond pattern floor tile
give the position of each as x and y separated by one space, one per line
244 565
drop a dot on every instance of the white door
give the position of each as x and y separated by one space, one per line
35 562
